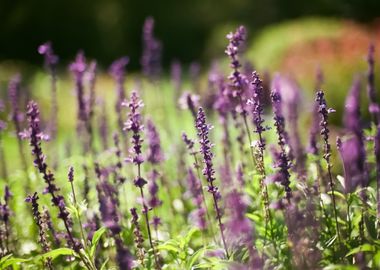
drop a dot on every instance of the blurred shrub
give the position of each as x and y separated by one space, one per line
299 47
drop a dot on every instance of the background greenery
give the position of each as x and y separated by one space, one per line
107 29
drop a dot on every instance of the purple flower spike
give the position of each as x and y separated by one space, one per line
134 125
152 48
153 188
51 60
208 171
155 155
374 107
238 226
324 111
35 137
257 108
238 80
139 240
42 227
78 68
281 158
189 101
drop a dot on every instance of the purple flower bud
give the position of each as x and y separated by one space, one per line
51 60
189 101
71 174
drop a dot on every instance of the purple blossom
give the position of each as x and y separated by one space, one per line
189 101
374 107
78 68
117 71
51 61
176 76
155 155
239 228
208 171
197 216
324 111
152 49
236 40
103 126
33 114
108 206
291 99
153 188
13 95
134 125
42 227
119 165
350 150
139 240
281 157
258 108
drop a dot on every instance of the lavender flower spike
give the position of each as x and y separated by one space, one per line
51 61
374 107
208 171
155 155
282 159
35 136
324 112
42 227
151 57
235 42
78 68
139 240
117 71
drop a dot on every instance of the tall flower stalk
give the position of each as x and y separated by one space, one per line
374 110
51 61
281 157
324 112
238 80
134 125
190 147
152 50
42 227
35 137
208 170
117 71
258 121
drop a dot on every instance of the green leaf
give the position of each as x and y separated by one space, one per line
362 248
190 235
56 253
10 261
95 239
169 247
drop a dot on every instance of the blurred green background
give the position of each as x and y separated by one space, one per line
107 29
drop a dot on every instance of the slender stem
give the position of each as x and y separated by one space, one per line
79 219
334 201
247 130
220 224
145 211
203 196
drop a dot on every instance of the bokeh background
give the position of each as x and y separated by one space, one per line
190 30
